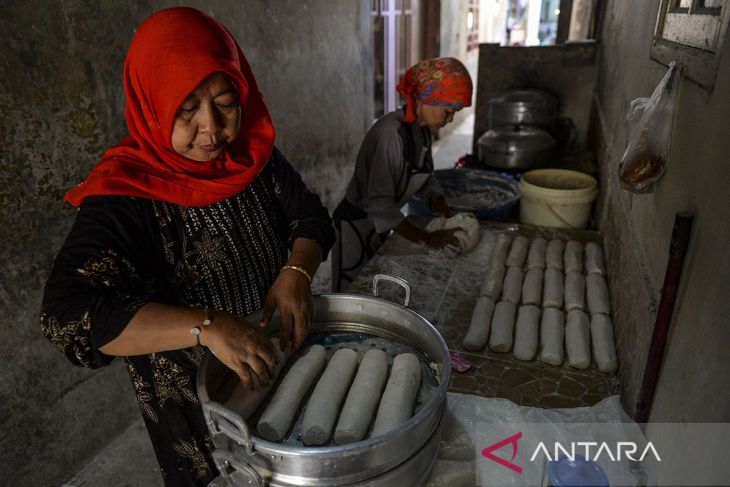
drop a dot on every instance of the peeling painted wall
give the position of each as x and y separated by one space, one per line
62 105
694 383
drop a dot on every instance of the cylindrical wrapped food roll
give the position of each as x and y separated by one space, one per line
512 287
597 294
552 331
501 247
492 284
575 290
552 290
244 401
330 391
396 405
604 347
532 286
518 252
278 415
578 339
363 398
594 259
554 254
573 257
503 326
536 255
526 332
481 318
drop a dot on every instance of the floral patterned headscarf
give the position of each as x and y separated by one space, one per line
442 82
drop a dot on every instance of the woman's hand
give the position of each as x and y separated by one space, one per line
242 347
292 294
438 203
441 238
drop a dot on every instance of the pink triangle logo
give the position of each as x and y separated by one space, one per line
512 440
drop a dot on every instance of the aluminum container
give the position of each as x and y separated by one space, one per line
515 147
523 107
247 459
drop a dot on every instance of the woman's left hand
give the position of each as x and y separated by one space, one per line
438 203
292 294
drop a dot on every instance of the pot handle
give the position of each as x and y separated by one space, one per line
401 282
221 420
235 471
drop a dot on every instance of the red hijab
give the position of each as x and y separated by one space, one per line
442 82
172 52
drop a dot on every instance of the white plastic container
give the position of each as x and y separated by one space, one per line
557 198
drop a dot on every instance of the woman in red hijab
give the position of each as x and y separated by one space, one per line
185 227
395 163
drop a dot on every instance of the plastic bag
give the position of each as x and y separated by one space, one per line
650 135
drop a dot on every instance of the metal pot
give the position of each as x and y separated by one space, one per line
247 459
515 147
523 107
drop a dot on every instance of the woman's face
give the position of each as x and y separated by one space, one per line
208 120
433 116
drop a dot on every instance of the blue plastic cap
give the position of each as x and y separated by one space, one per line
580 472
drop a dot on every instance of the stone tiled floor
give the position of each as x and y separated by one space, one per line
444 292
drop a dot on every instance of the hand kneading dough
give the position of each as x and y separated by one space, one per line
532 286
604 348
554 254
594 259
552 290
597 294
244 401
512 287
468 236
518 252
578 339
536 256
363 398
278 415
492 284
526 331
575 290
552 331
330 391
573 256
396 405
481 318
503 325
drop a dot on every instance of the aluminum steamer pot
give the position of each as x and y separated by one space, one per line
515 147
523 107
402 457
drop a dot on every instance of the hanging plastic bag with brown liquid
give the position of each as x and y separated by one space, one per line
650 135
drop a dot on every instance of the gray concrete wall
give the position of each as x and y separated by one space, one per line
62 105
694 384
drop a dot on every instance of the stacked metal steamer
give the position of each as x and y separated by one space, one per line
547 297
519 135
343 324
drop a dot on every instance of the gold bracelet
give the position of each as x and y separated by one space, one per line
299 269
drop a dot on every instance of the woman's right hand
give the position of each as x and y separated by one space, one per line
242 347
441 238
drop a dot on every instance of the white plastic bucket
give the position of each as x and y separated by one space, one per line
557 198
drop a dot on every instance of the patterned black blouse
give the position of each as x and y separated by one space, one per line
124 252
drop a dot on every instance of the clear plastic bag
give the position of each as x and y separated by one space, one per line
650 135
